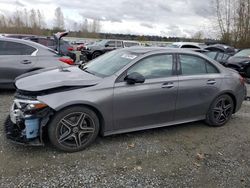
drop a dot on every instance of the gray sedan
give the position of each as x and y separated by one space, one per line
20 56
122 91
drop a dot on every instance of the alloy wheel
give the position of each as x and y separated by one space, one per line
75 129
222 110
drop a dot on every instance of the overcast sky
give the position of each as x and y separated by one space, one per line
147 17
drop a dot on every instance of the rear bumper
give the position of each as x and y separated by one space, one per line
241 96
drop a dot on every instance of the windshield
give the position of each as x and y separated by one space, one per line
109 63
243 53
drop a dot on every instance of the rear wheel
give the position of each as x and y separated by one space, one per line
73 129
220 111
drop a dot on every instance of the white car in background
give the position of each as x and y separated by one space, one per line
194 45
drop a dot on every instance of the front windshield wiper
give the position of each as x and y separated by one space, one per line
85 70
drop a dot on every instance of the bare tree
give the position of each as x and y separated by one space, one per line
233 17
59 19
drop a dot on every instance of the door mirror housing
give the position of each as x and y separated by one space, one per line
106 45
134 77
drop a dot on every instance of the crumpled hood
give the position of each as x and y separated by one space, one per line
55 78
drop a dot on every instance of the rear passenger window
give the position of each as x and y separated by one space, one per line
211 69
193 65
14 48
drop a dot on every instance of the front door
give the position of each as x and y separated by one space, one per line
153 102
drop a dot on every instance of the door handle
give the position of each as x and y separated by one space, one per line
26 62
168 85
211 82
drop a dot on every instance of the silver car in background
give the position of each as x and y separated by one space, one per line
19 56
125 90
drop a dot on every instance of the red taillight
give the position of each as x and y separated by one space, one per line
70 49
242 80
67 60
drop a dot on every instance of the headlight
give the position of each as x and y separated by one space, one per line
36 106
28 105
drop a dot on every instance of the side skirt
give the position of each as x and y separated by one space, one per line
120 131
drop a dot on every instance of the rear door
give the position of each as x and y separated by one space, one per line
15 59
199 83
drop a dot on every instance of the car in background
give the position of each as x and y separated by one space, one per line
125 90
17 36
221 48
103 46
240 62
55 42
193 45
18 56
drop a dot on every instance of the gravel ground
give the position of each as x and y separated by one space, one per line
190 155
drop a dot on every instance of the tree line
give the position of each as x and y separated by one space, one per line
33 22
233 18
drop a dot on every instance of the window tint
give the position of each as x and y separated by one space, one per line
226 56
119 44
14 48
111 43
211 54
220 56
193 65
154 67
211 69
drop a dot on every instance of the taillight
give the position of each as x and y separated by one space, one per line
242 80
70 49
67 60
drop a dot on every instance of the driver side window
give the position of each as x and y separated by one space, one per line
157 66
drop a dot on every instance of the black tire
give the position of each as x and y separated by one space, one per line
96 54
73 129
220 111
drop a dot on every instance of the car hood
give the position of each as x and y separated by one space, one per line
238 60
55 78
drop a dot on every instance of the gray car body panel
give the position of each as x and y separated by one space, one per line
125 108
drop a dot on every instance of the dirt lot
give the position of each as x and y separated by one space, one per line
190 155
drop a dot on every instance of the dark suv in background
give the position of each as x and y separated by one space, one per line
103 46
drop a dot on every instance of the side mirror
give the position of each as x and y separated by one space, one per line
106 45
134 77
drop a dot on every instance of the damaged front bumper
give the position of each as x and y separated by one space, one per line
26 122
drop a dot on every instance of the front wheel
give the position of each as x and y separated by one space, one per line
96 54
220 111
73 129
